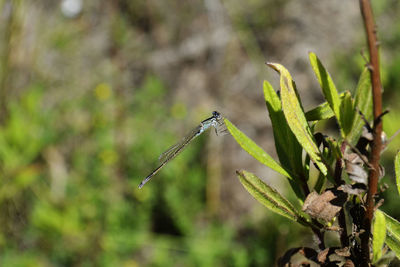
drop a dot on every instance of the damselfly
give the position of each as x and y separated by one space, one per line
215 121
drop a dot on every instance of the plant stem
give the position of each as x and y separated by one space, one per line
370 28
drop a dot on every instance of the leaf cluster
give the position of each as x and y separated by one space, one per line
335 201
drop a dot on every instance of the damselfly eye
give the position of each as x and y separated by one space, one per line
216 114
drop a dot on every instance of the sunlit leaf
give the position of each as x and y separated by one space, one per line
363 102
254 150
397 170
346 113
267 196
287 147
328 87
321 112
295 117
379 234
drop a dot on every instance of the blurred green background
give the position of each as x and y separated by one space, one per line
91 92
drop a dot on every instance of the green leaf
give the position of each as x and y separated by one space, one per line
267 196
363 102
392 233
321 112
288 149
346 113
328 87
379 234
254 150
397 170
334 148
319 185
295 117
393 243
392 225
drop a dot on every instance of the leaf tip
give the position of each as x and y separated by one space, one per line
273 66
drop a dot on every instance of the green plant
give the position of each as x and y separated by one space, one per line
346 187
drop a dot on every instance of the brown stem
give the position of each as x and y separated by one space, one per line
370 28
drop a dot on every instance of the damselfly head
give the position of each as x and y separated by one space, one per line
220 127
216 114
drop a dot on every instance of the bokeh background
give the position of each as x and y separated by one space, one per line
91 92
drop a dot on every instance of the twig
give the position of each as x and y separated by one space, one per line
370 29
